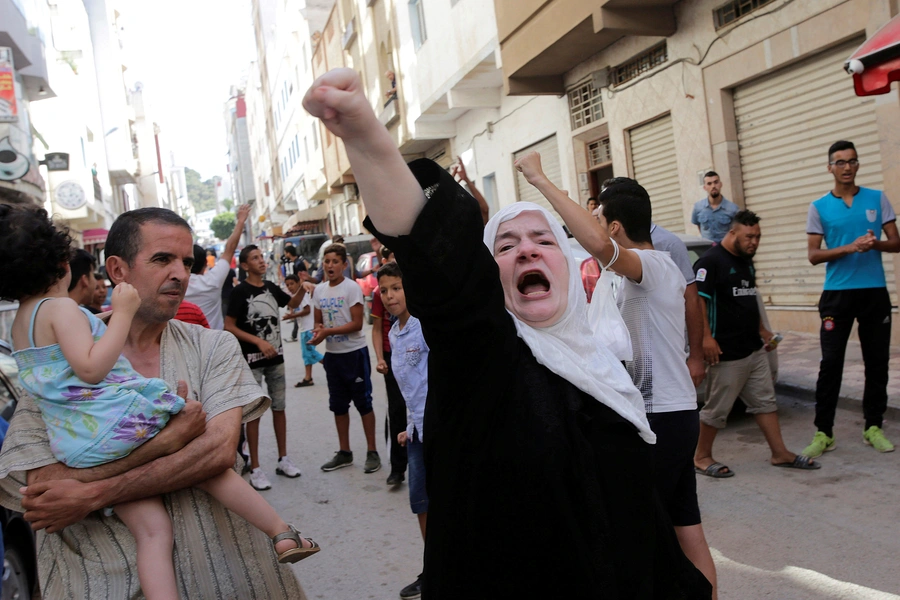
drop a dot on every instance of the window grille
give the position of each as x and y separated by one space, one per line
732 11
585 105
598 153
640 64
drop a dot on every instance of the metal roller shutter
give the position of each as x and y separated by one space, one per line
654 166
549 152
786 122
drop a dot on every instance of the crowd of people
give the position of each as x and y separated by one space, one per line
533 479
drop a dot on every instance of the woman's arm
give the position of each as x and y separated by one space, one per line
392 197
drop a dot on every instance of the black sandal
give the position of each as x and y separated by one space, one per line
304 383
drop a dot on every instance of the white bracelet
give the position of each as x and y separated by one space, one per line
615 255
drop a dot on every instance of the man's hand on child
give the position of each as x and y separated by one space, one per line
183 427
382 367
125 299
401 438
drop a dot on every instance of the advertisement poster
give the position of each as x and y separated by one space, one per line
8 112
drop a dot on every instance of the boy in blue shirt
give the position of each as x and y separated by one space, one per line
409 363
847 218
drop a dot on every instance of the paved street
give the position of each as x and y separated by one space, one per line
775 533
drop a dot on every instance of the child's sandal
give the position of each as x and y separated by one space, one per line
294 554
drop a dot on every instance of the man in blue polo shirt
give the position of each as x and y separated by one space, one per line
713 214
847 218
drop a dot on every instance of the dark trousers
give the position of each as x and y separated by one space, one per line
395 420
838 309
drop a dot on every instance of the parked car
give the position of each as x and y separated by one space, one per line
19 550
307 246
368 262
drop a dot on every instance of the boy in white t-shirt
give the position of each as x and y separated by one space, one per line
304 317
652 305
338 309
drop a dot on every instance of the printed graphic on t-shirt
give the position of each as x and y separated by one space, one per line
262 317
636 314
331 308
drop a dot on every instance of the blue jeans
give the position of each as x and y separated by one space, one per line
418 497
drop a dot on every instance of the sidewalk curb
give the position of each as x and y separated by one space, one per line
847 402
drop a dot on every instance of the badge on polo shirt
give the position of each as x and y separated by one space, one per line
871 214
701 275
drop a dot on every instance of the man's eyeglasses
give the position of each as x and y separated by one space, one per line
840 164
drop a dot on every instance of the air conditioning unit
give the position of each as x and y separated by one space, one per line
600 79
351 192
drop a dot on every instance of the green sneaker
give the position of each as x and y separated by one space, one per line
373 462
341 459
874 437
820 443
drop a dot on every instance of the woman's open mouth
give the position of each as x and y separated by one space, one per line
533 283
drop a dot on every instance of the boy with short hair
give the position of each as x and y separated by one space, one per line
303 317
409 363
338 306
395 421
253 319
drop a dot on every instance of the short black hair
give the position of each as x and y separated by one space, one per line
290 249
386 252
838 146
212 252
245 253
199 260
292 277
81 263
614 181
710 174
389 270
745 217
33 252
629 204
339 249
338 239
124 238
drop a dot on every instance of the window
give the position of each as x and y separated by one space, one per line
585 105
732 11
417 22
641 63
598 153
315 137
305 150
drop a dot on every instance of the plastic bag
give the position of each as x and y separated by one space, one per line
606 320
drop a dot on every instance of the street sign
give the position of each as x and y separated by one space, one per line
56 161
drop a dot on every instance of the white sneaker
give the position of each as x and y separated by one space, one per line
259 481
286 467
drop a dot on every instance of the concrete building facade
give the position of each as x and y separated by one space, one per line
754 91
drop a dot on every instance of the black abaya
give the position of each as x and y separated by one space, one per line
536 490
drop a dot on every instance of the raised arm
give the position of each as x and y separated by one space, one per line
459 170
231 243
392 197
586 229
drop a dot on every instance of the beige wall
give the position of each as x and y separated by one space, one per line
699 97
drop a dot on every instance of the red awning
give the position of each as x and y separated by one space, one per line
94 236
877 62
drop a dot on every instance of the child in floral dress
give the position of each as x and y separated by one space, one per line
95 406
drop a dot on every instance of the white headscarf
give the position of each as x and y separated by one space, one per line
568 347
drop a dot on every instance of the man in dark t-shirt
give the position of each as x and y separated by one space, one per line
733 345
254 319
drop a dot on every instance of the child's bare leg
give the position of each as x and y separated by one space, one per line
308 372
149 523
237 496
